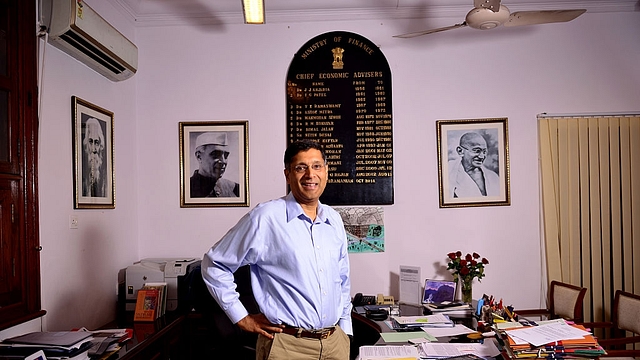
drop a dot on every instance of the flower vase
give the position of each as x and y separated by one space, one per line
467 291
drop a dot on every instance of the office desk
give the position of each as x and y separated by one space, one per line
161 339
451 345
179 336
458 318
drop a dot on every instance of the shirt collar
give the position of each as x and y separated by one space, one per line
294 210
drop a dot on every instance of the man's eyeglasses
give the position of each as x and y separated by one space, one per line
302 168
476 150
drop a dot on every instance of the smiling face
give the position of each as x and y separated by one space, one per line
307 177
473 150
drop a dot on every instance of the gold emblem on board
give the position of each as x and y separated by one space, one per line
337 58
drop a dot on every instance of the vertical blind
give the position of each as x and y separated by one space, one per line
590 183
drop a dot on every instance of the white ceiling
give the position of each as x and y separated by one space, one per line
158 12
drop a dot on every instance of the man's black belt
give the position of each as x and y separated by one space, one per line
310 334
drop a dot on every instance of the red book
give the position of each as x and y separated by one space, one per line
146 305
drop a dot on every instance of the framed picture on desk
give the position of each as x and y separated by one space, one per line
473 162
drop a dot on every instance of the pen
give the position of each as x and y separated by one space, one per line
554 347
555 356
508 313
526 322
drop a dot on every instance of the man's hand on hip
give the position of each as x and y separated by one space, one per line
258 323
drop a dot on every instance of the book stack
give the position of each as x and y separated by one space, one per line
151 302
550 340
448 308
71 345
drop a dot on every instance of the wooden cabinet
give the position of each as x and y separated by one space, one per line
10 289
19 243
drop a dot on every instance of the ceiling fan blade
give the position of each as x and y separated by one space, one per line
520 18
425 32
493 5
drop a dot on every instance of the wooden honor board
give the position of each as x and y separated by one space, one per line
339 94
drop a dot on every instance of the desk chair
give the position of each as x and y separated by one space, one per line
365 332
212 334
625 317
565 301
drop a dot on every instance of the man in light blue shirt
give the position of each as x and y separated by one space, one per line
297 251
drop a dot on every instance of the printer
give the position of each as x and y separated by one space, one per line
168 270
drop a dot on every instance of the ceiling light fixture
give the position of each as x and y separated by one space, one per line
253 11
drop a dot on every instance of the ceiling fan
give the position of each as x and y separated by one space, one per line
488 14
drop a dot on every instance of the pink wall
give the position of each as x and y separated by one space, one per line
231 72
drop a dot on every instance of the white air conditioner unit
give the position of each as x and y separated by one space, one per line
79 31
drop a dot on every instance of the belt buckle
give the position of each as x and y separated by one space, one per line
325 333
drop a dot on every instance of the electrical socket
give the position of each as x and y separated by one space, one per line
73 221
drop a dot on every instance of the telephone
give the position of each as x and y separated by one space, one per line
385 300
361 300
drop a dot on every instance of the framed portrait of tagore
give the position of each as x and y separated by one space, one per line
214 163
94 178
473 162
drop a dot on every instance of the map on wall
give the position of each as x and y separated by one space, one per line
364 227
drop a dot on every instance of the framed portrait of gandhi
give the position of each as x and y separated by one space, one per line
214 163
93 178
473 162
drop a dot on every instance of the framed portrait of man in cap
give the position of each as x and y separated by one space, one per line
214 165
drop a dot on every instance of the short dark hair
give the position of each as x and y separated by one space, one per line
302 145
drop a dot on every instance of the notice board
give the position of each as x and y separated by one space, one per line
339 94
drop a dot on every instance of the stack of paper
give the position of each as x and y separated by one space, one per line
426 321
389 352
458 329
485 350
555 339
450 308
55 345
106 342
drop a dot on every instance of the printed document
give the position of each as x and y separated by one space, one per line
410 284
437 350
458 329
390 352
544 334
422 320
